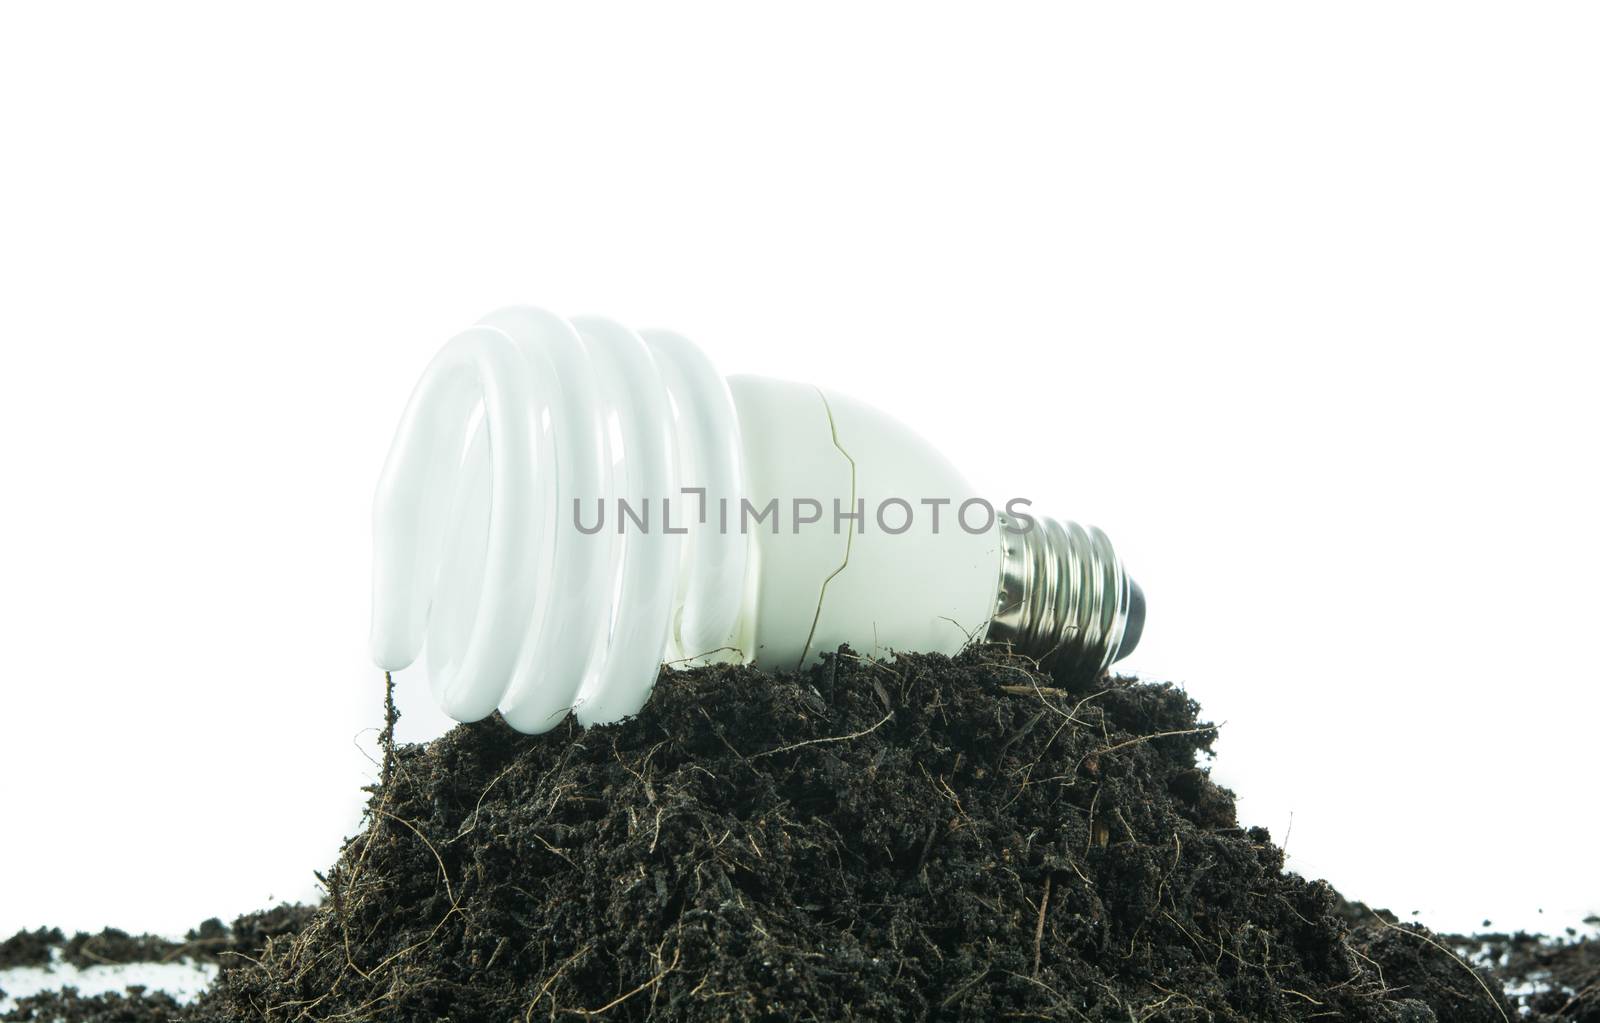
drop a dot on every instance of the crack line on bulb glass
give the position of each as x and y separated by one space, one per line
849 537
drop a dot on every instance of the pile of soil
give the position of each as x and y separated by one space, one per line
924 838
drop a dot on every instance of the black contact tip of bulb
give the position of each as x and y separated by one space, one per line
1135 621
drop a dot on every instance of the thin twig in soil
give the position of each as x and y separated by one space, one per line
1034 691
448 891
702 656
831 738
1038 929
543 988
963 989
652 982
472 818
927 846
1489 994
1157 735
1136 740
1582 994
544 842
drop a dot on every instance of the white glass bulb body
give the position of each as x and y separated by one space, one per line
525 426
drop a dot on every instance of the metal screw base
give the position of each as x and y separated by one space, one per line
1065 595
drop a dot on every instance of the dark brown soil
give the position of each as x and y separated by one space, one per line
29 948
212 941
1567 968
135 1005
926 838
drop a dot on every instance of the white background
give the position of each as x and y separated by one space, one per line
1298 303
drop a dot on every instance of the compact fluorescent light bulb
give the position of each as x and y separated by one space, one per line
569 504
